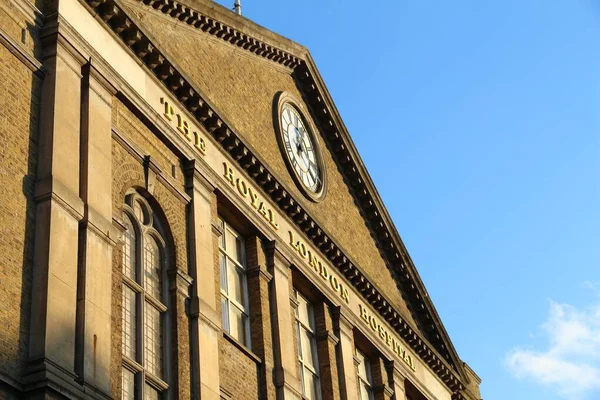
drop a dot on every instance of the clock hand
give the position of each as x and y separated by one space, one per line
298 142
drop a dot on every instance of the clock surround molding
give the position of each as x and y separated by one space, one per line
281 99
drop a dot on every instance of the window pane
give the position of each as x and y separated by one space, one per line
298 329
127 384
304 312
139 212
129 249
222 238
235 280
237 324
223 268
365 393
311 385
239 250
234 246
308 348
225 314
153 340
152 268
150 393
129 310
363 366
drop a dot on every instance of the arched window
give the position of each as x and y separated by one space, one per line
144 303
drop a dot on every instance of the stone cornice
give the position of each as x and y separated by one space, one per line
223 31
195 102
25 57
374 211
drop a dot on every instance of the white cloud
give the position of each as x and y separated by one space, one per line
571 363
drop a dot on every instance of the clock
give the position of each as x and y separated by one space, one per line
300 147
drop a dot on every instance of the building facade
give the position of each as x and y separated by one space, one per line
185 216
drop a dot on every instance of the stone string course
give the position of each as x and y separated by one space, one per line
448 366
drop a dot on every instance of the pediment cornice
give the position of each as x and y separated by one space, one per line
435 349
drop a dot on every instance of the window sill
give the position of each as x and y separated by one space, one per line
242 347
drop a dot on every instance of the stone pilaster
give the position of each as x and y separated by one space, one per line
396 381
326 348
180 284
381 387
205 320
59 210
97 236
259 280
285 372
346 363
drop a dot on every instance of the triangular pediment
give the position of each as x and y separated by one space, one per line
226 70
243 88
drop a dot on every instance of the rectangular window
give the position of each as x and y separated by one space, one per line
365 381
234 296
307 349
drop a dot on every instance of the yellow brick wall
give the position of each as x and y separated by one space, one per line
19 110
128 172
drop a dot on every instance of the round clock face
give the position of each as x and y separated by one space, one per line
300 149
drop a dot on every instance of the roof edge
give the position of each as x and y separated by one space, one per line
240 22
375 210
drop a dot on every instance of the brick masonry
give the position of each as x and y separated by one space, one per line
19 109
242 87
129 173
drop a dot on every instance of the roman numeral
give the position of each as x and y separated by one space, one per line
309 179
288 146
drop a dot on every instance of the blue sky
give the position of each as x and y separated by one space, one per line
479 122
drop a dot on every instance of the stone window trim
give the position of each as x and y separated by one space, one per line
233 265
151 297
412 392
307 326
225 394
241 347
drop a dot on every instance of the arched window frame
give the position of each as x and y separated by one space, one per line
147 384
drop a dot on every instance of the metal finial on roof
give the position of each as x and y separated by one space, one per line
237 7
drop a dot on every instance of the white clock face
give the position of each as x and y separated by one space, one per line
300 148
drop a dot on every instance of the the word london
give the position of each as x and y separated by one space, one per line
320 268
